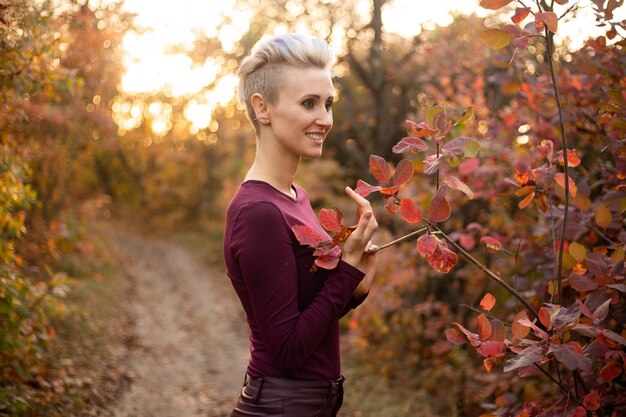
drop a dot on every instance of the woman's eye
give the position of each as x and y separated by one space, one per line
329 105
308 103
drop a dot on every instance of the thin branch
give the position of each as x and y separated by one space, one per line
402 239
598 231
550 50
487 271
564 389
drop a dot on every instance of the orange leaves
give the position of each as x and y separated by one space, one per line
382 171
488 302
520 14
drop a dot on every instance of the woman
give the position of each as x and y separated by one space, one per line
292 311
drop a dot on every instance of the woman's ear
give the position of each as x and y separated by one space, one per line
261 110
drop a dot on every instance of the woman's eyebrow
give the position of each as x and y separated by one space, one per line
316 96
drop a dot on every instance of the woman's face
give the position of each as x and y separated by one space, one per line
302 116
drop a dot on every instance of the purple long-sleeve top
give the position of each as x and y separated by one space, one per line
293 313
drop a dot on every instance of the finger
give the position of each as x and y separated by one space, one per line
358 199
370 229
362 225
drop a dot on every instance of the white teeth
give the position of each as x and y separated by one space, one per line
315 136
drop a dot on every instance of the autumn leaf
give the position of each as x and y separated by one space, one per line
520 14
591 401
526 200
403 173
426 245
307 236
439 209
550 19
603 216
488 302
559 178
519 330
410 144
364 189
331 219
492 244
573 160
494 4
484 327
457 184
409 211
381 170
525 358
495 38
454 336
571 355
577 251
443 259
419 129
609 372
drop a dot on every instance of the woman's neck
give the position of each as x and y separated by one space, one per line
275 168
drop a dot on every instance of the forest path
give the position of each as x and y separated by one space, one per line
190 344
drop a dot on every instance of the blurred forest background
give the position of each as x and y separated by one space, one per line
78 151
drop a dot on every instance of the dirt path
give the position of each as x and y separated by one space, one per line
190 341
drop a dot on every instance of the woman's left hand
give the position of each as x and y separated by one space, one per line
368 266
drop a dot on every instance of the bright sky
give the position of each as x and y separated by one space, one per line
150 68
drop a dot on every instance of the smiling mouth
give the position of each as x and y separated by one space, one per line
315 136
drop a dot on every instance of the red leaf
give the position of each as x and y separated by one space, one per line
471 337
484 327
409 211
387 192
442 260
520 14
525 358
403 173
579 412
573 160
331 219
410 144
457 184
559 178
419 129
610 371
571 355
391 207
455 336
307 236
491 243
519 330
380 169
494 4
592 401
426 245
600 313
490 348
488 302
550 19
329 260
467 241
364 189
545 317
439 210
538 332
526 201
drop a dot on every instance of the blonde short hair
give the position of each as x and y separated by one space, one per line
261 71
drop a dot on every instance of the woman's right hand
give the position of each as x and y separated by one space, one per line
359 239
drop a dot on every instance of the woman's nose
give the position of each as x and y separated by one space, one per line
325 119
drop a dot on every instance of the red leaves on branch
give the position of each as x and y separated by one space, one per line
327 252
436 253
389 185
492 244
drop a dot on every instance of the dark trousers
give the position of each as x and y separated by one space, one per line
283 397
